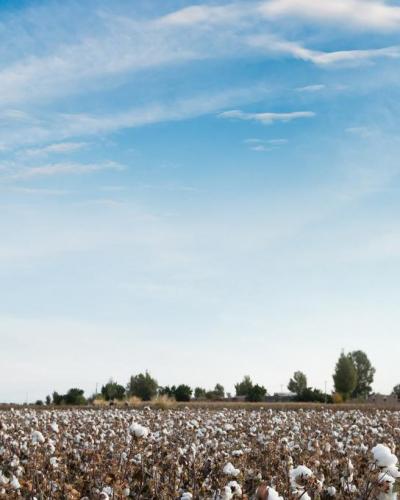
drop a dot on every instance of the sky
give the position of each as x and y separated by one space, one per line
204 190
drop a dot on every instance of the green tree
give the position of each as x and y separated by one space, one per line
74 396
396 391
256 393
57 398
244 387
142 386
199 393
298 383
365 374
183 393
167 391
48 400
219 391
345 376
112 390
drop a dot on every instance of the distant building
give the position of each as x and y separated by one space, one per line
383 400
281 397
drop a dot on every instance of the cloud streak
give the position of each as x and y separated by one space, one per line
266 118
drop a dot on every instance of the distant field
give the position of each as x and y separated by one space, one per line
260 451
216 405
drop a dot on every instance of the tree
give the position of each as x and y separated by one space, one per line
219 391
74 397
345 376
57 398
167 391
313 396
244 387
396 391
183 393
199 393
112 390
48 400
256 393
365 374
298 383
142 386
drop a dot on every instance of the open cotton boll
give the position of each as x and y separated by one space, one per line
54 426
235 487
298 474
138 430
273 494
230 470
383 456
15 483
226 494
186 496
331 490
37 437
3 479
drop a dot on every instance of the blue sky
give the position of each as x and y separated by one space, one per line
203 190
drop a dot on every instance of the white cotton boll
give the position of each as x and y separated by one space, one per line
54 426
3 479
331 491
54 462
273 494
37 437
126 492
383 456
226 493
138 430
235 487
230 470
300 472
15 483
186 496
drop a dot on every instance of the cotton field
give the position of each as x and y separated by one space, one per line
198 453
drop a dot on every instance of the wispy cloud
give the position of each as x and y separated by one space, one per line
63 126
263 145
67 168
57 148
361 14
311 88
271 43
266 118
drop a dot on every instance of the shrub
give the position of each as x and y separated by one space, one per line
142 386
200 393
183 393
337 398
257 393
163 402
112 390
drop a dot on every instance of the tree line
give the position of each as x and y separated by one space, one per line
353 378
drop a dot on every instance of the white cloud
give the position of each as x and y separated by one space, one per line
57 148
64 126
311 88
266 118
271 44
362 14
66 168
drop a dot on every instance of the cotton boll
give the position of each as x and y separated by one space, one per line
230 470
138 430
383 456
298 474
331 490
235 488
186 496
37 437
15 485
